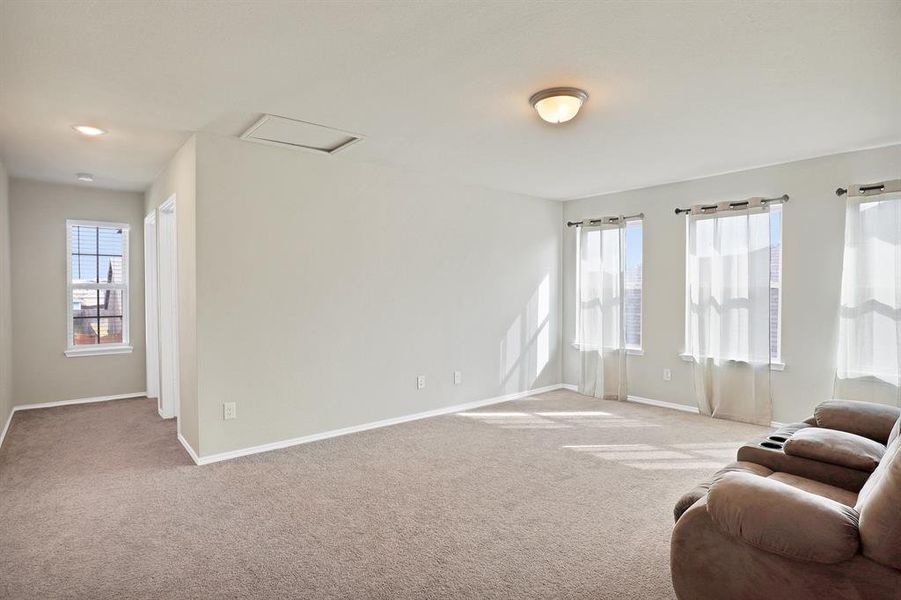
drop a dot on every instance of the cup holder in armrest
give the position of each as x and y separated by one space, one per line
779 438
771 445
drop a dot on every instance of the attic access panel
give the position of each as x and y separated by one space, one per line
282 131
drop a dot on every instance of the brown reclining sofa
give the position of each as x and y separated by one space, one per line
812 510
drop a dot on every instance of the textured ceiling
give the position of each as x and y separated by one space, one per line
678 90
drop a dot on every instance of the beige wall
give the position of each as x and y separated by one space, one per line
43 373
6 383
178 179
325 286
813 233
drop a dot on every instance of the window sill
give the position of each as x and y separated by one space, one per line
629 351
774 366
98 350
869 377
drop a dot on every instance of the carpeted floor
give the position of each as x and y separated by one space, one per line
554 496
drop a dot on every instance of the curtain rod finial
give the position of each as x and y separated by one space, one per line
841 192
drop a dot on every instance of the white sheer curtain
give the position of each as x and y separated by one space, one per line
602 339
869 346
728 311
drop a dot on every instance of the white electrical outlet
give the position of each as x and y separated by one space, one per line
667 375
229 410
458 377
420 382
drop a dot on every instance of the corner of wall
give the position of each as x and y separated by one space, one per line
6 371
179 178
561 282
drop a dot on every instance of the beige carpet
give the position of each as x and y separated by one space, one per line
555 496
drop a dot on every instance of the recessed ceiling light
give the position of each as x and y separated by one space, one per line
86 177
558 105
89 130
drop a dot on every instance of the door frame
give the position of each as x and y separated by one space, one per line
168 308
151 310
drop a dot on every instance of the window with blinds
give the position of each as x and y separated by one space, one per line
97 291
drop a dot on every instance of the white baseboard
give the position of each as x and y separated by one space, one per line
9 420
189 449
214 458
662 404
648 401
56 403
78 401
641 400
682 407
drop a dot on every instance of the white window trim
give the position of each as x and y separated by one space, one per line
630 350
98 349
778 358
774 366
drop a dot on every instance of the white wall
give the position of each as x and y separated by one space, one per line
325 286
43 373
813 233
178 179
6 366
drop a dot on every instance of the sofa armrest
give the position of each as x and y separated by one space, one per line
781 519
867 419
836 448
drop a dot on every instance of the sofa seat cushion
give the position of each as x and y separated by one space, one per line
835 447
825 490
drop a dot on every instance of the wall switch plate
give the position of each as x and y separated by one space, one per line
458 377
667 375
229 410
420 382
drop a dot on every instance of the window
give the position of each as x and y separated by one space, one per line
733 317
632 282
869 340
776 284
97 290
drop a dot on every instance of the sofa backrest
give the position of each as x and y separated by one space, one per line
867 419
879 506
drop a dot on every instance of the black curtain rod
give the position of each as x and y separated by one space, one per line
601 220
876 187
783 198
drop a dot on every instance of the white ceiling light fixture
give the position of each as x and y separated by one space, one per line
89 130
86 177
558 105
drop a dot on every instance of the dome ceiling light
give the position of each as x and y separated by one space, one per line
558 105
89 130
